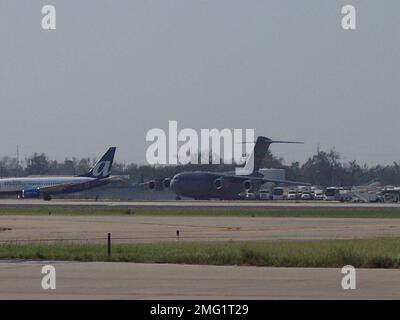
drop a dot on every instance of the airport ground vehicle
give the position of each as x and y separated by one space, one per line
332 193
250 196
292 195
265 195
318 194
391 194
278 193
378 198
306 196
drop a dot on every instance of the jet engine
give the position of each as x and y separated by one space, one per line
155 185
152 184
218 183
247 185
167 182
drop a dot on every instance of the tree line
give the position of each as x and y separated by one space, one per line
323 168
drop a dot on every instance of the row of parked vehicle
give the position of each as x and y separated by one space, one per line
355 194
281 193
313 193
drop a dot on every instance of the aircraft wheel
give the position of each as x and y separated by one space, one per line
47 198
178 198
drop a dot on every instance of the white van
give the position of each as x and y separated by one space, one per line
278 193
292 195
319 194
264 195
332 194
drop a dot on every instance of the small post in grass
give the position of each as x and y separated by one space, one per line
177 234
109 244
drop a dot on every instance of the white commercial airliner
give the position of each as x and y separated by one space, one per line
36 187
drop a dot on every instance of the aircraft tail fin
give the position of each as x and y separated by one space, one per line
260 150
102 168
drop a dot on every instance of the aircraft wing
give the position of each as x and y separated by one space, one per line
264 180
73 187
297 183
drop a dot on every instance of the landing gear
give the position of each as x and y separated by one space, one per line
178 198
47 197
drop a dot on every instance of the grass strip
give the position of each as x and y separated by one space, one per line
361 253
391 213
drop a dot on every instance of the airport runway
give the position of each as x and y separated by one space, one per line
190 203
22 279
94 280
137 229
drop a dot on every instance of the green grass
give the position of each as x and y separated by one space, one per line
369 253
211 212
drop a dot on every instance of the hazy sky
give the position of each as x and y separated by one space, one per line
115 69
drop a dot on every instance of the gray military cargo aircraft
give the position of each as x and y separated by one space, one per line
205 185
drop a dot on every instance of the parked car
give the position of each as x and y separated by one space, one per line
292 195
250 196
319 195
306 196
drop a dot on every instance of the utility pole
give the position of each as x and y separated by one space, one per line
17 160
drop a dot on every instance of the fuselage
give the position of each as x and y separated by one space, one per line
18 185
32 187
202 185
